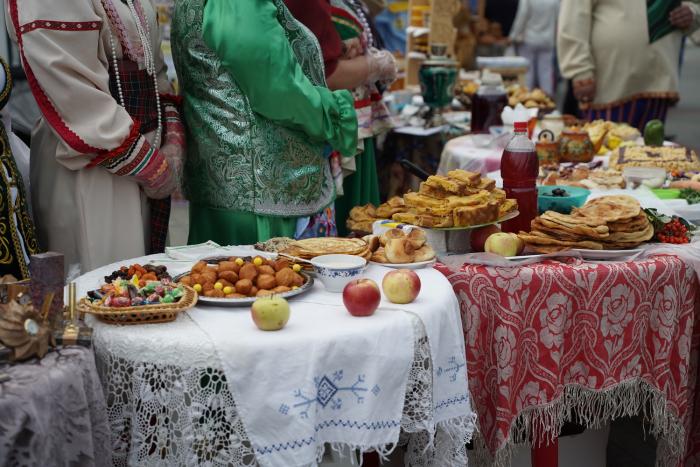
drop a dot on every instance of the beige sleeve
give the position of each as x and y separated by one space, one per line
573 39
60 47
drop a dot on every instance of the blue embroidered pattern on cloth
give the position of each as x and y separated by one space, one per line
452 369
329 391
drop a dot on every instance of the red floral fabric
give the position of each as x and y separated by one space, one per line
550 341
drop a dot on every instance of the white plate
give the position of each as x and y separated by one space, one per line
418 265
602 255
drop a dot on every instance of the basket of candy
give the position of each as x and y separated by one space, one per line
138 301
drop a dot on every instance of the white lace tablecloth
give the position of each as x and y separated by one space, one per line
169 402
52 412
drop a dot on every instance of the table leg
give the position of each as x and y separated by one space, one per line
545 455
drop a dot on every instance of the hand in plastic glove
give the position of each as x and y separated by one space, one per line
382 66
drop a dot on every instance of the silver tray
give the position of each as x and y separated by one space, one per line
248 301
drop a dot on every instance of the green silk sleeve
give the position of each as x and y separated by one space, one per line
253 47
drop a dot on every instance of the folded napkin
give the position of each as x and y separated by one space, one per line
327 377
203 250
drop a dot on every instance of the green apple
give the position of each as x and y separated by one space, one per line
270 313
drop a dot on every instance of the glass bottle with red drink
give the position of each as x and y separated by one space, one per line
488 103
519 170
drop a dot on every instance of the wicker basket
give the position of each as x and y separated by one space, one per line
145 314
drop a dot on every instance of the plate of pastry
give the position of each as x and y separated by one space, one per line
240 281
460 200
397 249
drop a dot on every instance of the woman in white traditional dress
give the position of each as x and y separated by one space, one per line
109 136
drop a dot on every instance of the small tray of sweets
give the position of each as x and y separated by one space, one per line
138 295
239 281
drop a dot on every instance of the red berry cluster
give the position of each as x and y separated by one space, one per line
674 232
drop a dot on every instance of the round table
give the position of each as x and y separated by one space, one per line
169 402
552 340
52 412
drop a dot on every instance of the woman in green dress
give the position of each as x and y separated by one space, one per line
360 184
259 116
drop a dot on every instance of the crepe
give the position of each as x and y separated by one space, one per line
609 208
312 247
535 238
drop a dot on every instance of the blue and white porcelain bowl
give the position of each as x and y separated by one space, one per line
336 271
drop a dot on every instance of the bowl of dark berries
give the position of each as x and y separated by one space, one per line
561 199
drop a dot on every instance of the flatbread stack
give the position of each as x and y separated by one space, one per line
362 217
460 199
310 248
605 223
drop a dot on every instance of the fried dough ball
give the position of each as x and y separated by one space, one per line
199 266
207 286
285 277
235 295
187 280
214 293
253 291
264 293
281 263
227 266
196 278
224 283
230 276
281 289
243 286
248 271
266 269
298 280
266 281
208 275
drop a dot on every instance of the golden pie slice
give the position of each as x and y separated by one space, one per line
465 216
470 178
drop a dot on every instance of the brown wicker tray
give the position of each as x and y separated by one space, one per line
145 314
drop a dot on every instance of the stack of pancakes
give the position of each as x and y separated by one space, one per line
605 223
460 199
310 248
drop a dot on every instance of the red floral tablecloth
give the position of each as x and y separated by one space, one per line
549 340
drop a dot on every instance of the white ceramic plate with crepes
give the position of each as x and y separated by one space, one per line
507 217
418 265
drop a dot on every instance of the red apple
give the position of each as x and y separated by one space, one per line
401 286
361 297
479 236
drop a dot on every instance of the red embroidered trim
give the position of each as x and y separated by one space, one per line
144 150
375 97
47 108
134 134
172 99
61 25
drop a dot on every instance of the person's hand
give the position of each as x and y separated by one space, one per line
681 17
162 186
173 151
585 90
382 66
352 48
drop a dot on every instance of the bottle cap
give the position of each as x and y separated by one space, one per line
520 126
491 79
